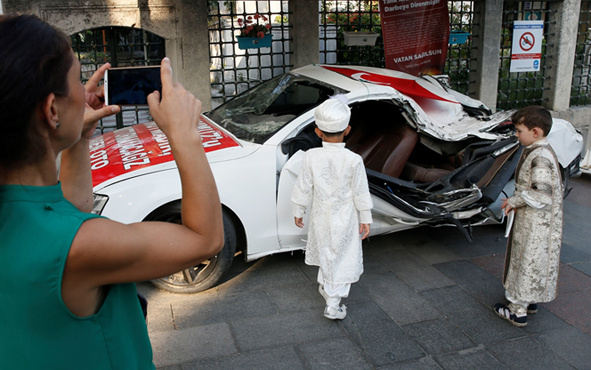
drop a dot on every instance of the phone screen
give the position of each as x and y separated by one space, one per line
132 85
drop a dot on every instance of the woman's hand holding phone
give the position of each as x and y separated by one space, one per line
95 102
177 111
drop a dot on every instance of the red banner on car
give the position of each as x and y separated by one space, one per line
408 87
143 145
416 35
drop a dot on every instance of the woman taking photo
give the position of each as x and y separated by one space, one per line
68 300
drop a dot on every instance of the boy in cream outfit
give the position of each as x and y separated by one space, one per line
533 249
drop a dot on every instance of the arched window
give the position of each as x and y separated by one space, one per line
122 47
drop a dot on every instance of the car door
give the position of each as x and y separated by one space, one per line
387 217
290 236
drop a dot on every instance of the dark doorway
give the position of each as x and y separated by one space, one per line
122 47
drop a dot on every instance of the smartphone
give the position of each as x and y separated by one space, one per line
131 85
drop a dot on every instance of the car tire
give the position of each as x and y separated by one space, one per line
205 275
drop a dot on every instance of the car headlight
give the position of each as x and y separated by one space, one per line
99 203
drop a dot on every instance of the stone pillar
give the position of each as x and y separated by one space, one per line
193 40
182 24
488 20
305 45
560 53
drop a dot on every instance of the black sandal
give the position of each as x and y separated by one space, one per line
532 308
504 312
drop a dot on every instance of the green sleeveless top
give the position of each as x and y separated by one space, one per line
37 330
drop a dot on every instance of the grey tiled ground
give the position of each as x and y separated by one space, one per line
439 336
424 302
378 336
511 355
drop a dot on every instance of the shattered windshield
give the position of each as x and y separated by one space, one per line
258 113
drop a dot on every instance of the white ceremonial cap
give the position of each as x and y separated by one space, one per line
332 116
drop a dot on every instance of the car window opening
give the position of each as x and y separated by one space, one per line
388 144
257 114
402 161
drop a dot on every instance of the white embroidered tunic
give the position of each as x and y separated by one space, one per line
333 178
533 249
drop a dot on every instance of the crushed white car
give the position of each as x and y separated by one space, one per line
433 157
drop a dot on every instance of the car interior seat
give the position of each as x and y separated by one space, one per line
387 152
355 138
416 173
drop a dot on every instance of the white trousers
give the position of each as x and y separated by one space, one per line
333 292
516 306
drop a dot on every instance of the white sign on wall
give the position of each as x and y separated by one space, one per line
526 52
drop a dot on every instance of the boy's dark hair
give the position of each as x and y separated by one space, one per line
533 116
333 134
35 59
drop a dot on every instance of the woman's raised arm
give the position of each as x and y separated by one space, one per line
75 174
107 252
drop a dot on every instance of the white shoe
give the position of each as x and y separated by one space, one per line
335 313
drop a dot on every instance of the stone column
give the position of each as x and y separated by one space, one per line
560 53
193 48
488 20
182 23
304 17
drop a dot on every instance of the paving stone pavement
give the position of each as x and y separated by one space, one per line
424 302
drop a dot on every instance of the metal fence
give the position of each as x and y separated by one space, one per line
122 47
520 89
234 69
581 83
337 17
458 60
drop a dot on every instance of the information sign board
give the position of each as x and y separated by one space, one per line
416 35
526 52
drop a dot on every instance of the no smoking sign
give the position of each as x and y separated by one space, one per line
527 46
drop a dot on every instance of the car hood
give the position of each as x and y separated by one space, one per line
144 148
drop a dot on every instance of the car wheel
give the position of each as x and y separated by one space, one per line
208 273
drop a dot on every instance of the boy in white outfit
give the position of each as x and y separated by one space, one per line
334 179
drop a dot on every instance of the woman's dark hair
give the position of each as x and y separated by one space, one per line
533 116
34 62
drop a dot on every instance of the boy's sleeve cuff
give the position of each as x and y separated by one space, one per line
363 202
516 202
365 217
298 211
533 202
